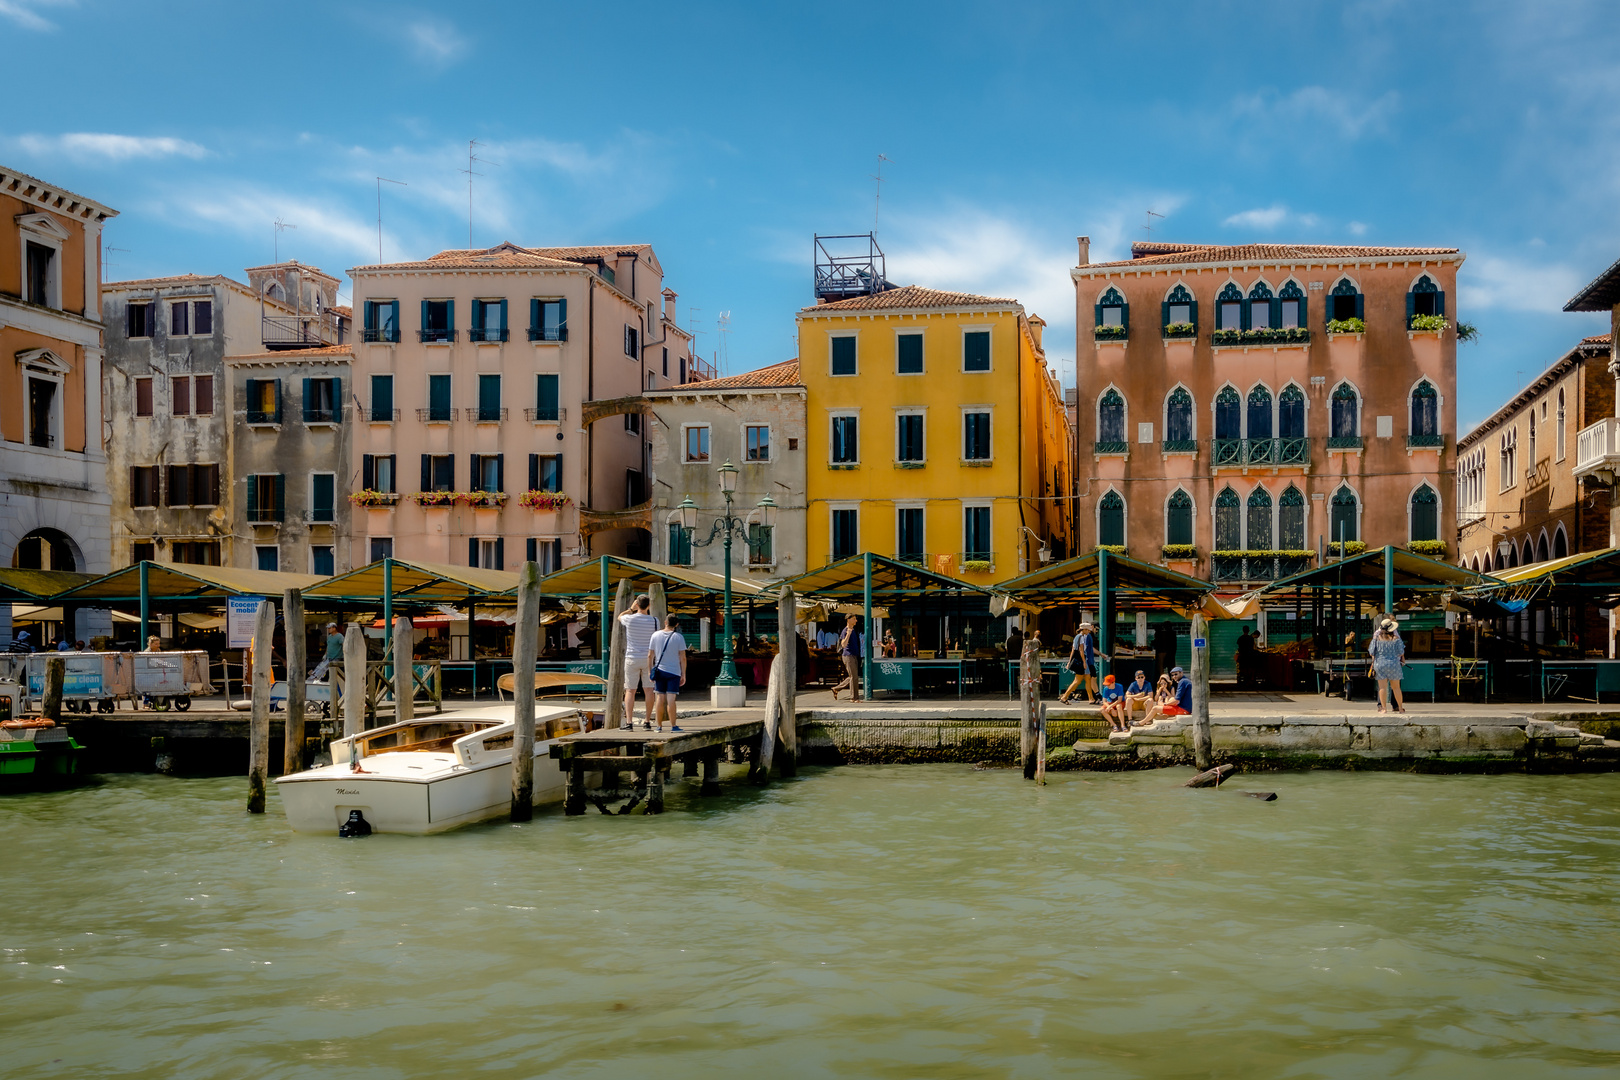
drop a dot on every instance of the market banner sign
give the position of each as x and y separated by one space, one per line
240 611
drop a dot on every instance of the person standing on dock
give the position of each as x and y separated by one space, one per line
1388 653
849 651
334 651
639 626
666 653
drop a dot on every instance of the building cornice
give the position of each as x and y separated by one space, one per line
908 313
56 200
1561 367
1081 273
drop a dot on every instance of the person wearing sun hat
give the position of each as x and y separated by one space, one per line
1388 653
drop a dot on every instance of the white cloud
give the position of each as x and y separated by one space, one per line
1353 116
1269 219
86 145
435 40
251 211
1497 282
23 14
1356 228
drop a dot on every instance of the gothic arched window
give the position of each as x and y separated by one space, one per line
1228 414
1111 520
1291 520
1111 418
1178 417
1178 518
1228 521
1342 520
1259 538
1425 514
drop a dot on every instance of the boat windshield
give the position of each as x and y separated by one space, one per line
428 736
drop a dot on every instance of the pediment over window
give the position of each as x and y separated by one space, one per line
43 360
43 223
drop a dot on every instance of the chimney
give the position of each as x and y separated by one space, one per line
1036 325
1085 249
669 306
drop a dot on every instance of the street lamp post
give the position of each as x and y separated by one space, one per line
728 688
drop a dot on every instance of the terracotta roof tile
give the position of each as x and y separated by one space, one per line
499 257
172 279
910 296
1159 254
593 251
784 374
324 352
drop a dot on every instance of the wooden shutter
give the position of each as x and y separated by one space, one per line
370 315
424 315
500 472
476 477
534 317
1411 307
368 472
427 472
281 497
309 409
503 320
253 497
276 384
337 397
450 318
252 388
533 549
562 319
472 552
500 544
534 472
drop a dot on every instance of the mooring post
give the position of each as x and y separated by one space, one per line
787 647
711 772
404 671
264 635
525 648
767 733
292 723
615 659
55 677
1040 746
1029 675
1202 748
660 607
354 681
655 787
574 791
689 766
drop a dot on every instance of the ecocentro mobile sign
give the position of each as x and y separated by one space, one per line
240 611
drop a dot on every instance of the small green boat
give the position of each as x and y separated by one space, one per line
33 755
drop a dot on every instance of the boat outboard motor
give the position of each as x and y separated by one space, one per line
357 825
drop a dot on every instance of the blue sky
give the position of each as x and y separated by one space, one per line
726 135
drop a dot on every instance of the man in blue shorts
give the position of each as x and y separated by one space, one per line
666 655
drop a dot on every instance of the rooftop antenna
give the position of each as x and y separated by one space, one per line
106 262
280 225
877 199
471 158
1147 226
380 181
722 350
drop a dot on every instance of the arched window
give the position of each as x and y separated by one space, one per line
1560 544
1112 310
1424 299
45 549
1425 514
1178 420
1260 413
1228 521
274 291
1542 554
1291 520
1560 439
1345 301
1111 520
1345 404
1228 414
1291 413
1292 305
1181 311
1342 520
1425 411
1259 538
1230 308
1487 562
1178 518
1261 308
1527 554
1111 421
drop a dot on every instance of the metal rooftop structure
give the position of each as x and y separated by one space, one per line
853 266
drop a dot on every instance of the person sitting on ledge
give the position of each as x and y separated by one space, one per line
1181 705
1138 696
1113 705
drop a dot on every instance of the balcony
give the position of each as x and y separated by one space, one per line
1261 338
309 330
333 415
1228 566
485 414
375 415
1425 442
441 337
1346 442
1179 446
486 334
321 515
548 333
262 416
433 415
553 415
1597 450
389 335
1101 447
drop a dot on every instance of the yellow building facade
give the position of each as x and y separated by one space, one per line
935 433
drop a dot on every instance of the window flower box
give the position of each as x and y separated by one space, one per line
976 566
543 500
1434 549
1351 547
1347 326
1179 552
378 500
1293 335
444 499
1427 324
1178 330
484 499
1110 333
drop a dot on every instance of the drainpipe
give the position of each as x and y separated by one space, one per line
146 606
590 390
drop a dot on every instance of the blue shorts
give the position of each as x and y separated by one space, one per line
665 683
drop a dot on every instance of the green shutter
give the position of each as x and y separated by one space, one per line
534 474
1360 307
1164 313
281 497
475 478
472 551
450 317
562 320
1096 314
500 553
503 320
500 472
1192 313
368 472
253 497
1411 309
533 549
308 411
1125 317
277 385
394 319
427 472
424 315
1440 303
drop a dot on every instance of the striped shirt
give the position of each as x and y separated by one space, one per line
639 627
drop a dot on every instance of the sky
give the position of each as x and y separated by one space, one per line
727 135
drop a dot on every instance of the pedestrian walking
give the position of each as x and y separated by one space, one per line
639 625
1388 653
334 651
849 651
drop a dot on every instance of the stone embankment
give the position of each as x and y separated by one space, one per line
1440 741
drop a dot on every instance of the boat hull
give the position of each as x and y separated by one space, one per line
320 800
44 759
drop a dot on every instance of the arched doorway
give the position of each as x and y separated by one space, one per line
45 549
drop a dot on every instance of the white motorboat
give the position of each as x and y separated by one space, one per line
431 774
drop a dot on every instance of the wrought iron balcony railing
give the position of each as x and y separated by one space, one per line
553 415
433 415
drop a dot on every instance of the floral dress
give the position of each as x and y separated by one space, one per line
1387 656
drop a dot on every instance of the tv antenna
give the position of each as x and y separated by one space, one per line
722 347
472 157
106 262
877 199
381 180
280 225
1147 225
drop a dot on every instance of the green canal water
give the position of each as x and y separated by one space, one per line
923 921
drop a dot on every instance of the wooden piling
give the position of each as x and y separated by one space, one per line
354 681
55 678
787 647
264 633
1040 747
773 718
1029 693
655 789
660 607
711 772
525 647
574 789
292 724
404 670
1203 751
615 657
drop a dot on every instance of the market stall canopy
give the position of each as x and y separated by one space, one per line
26 613
37 586
1366 577
413 583
1135 585
184 582
605 572
1591 576
892 579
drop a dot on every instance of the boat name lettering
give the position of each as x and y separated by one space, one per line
346 791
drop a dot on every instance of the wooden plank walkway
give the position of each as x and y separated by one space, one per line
704 739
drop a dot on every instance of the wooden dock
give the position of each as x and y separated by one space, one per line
705 738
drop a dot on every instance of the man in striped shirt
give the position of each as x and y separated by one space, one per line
639 626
